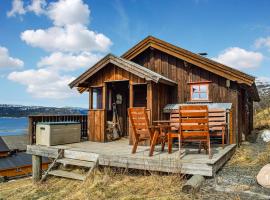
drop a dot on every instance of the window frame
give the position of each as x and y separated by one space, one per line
101 98
199 84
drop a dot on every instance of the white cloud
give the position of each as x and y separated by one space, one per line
37 6
239 58
263 42
44 83
8 62
68 62
66 12
17 8
72 38
71 43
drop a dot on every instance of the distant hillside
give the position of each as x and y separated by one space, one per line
7 110
263 86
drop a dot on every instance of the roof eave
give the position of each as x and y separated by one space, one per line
125 65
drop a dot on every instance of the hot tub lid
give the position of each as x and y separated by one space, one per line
58 123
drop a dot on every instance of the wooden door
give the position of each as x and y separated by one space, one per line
96 125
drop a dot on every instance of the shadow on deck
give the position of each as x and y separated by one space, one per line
118 154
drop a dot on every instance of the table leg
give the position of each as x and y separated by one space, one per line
153 143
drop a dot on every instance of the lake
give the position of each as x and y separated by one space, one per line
13 126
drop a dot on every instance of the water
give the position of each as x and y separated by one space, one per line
13 126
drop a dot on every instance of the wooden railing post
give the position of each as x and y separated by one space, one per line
30 130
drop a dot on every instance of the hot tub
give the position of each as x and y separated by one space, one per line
55 133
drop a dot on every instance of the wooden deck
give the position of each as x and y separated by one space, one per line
118 154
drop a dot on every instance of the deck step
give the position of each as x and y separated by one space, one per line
81 163
80 155
66 174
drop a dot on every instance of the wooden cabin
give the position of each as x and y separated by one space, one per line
155 73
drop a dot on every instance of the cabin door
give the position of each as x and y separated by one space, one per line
117 100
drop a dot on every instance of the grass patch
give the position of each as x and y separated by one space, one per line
246 155
262 119
104 184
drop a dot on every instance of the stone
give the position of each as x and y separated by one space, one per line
263 176
266 135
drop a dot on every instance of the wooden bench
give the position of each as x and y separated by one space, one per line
217 124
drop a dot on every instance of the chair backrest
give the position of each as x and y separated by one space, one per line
217 119
139 119
174 118
193 120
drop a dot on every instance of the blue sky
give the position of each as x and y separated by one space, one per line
41 40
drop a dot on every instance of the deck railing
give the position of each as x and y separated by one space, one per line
34 119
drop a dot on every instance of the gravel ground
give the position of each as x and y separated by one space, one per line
238 176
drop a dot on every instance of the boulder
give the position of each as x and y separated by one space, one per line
266 135
263 176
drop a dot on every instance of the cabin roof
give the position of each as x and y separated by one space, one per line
193 58
125 64
18 160
3 146
16 142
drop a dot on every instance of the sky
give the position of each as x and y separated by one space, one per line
44 44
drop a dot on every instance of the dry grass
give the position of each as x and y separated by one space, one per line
102 185
247 155
107 184
262 119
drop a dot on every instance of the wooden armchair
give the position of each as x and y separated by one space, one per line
142 130
217 124
193 127
174 128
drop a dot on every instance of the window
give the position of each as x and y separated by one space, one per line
140 95
97 98
199 92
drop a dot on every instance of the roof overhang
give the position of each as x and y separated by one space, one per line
127 65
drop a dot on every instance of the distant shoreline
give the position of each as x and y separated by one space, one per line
12 117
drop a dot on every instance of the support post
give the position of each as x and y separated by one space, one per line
130 131
36 168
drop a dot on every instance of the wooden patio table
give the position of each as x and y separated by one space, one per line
161 125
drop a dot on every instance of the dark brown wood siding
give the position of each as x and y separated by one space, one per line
183 72
113 73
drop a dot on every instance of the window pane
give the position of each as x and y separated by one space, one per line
203 88
195 95
195 88
203 96
97 98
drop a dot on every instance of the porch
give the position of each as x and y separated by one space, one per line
118 154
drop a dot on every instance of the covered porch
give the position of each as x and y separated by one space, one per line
116 84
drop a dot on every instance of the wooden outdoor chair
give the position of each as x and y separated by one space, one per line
174 128
217 124
142 131
193 126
